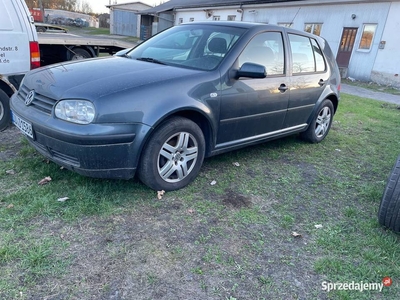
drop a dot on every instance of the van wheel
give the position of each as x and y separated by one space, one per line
389 209
40 29
79 53
5 115
173 156
321 123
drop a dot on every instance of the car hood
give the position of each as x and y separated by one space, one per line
96 78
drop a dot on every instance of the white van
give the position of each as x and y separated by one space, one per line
19 51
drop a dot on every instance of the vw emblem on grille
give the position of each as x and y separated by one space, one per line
29 98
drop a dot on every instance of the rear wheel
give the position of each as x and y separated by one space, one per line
389 209
79 53
173 156
5 115
321 123
40 29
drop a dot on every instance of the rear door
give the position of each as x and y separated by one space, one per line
309 77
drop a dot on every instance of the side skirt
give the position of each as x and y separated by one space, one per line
237 144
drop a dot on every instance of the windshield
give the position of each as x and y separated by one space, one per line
200 47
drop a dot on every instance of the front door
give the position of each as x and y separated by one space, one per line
346 46
252 108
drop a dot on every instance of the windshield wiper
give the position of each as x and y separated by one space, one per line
149 59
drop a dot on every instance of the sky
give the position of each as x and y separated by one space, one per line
99 6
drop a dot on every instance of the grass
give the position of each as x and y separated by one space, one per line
91 31
231 240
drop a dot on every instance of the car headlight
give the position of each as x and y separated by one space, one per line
75 111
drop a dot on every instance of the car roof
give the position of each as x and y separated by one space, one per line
246 25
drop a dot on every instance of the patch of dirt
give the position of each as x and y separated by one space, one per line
10 143
236 200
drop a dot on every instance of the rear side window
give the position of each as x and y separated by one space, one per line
319 58
307 56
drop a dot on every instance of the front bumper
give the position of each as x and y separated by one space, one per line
95 150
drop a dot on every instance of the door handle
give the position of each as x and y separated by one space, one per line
283 88
321 82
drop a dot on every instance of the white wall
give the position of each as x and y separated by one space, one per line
201 15
115 12
386 69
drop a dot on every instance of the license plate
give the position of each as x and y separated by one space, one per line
23 125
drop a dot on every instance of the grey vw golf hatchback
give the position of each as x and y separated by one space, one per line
190 92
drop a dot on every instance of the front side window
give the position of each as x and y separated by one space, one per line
367 36
314 28
306 55
265 49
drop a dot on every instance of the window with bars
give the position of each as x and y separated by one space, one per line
231 18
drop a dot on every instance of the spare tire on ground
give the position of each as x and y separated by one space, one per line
389 209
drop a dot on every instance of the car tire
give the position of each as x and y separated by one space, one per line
320 124
389 208
173 156
5 115
79 53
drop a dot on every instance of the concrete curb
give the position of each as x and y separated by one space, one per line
366 93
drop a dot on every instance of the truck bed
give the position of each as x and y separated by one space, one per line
59 47
72 39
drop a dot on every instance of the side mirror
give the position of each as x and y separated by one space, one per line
252 71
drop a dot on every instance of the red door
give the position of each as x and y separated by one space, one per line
346 46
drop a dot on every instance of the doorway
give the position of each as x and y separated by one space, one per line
346 46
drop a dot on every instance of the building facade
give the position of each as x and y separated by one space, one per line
361 33
124 18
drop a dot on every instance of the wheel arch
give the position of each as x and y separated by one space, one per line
331 97
335 101
195 116
204 124
6 88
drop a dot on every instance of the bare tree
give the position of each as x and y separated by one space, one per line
53 4
86 8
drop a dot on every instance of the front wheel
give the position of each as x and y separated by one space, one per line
173 156
5 115
320 124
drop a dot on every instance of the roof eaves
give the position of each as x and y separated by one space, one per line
182 4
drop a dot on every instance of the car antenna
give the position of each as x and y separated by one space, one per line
291 23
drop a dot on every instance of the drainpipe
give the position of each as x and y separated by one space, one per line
241 8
